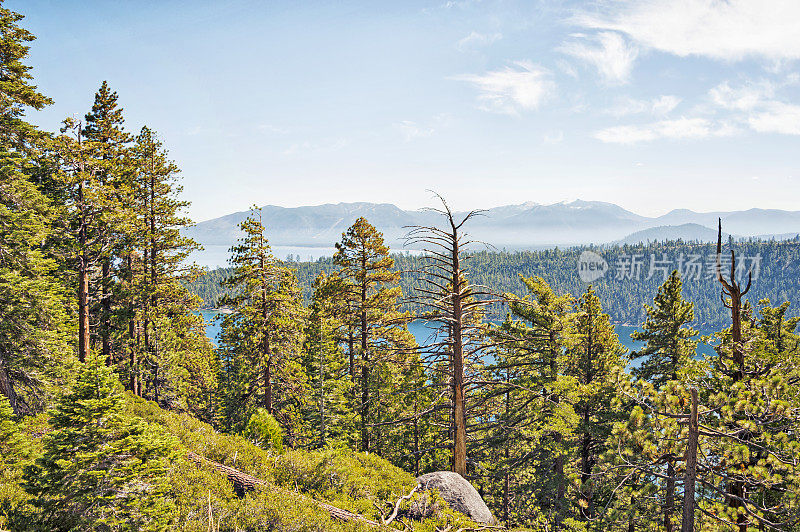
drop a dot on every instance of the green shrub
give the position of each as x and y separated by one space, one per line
264 431
359 482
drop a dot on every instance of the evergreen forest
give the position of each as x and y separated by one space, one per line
318 410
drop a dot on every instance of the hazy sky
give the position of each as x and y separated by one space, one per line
650 104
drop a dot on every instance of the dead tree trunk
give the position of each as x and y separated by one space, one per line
455 304
242 483
690 460
733 290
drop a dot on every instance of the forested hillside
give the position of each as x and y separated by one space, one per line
627 286
318 411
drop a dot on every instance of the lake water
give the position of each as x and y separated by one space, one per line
217 256
423 333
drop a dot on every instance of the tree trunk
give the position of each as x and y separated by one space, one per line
586 470
558 469
459 412
586 438
506 485
737 487
365 440
83 281
105 309
134 376
632 517
690 477
6 385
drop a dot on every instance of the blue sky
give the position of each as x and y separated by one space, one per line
653 104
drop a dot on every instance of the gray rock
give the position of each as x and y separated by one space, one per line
459 494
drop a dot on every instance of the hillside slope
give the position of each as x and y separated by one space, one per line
297 485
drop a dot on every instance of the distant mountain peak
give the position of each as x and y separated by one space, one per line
525 225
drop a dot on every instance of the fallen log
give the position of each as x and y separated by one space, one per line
242 483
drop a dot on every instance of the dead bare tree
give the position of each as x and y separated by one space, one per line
731 296
455 306
733 290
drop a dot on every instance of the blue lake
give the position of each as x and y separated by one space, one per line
423 333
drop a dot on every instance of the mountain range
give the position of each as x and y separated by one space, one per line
523 226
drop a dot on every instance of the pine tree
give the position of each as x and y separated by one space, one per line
456 305
169 358
668 346
32 297
668 340
532 407
748 432
14 455
101 470
33 335
88 204
262 337
107 141
17 94
329 415
371 288
594 359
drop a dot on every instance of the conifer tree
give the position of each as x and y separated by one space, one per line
14 455
455 304
17 93
371 288
166 341
668 346
107 142
87 204
261 339
101 470
33 332
668 340
534 417
329 415
594 359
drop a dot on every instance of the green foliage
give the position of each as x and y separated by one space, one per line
100 469
33 332
263 430
262 337
378 340
14 455
17 93
668 341
329 416
623 299
357 482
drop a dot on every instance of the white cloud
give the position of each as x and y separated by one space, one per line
610 54
478 39
661 106
777 117
754 104
676 129
523 86
719 29
742 98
